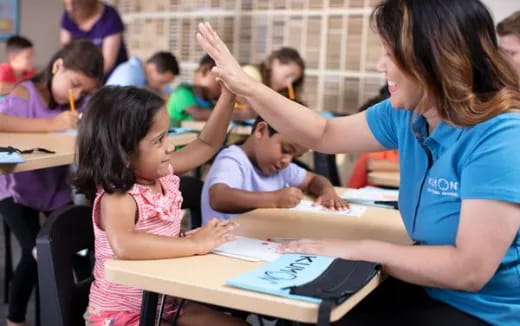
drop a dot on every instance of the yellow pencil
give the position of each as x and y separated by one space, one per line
239 106
71 101
290 92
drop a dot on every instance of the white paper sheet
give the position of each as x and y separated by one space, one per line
249 249
309 206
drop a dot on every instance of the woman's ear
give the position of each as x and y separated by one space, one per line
57 65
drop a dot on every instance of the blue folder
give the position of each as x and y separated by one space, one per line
10 158
279 276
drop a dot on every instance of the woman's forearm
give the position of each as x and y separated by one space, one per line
432 266
293 120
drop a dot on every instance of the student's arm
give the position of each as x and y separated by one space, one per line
11 123
320 187
225 199
63 121
118 218
210 139
198 114
346 134
486 230
64 36
110 50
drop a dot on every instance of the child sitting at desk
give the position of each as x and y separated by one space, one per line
259 174
156 74
126 164
42 105
19 65
195 101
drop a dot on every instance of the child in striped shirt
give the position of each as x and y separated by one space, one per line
126 164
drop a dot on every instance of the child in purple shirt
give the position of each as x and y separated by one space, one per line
259 174
41 105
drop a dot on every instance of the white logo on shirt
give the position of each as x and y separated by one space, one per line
443 187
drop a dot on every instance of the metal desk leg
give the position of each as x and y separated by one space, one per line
148 308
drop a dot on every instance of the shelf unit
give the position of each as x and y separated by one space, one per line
333 36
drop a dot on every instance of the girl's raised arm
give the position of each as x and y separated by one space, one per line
211 138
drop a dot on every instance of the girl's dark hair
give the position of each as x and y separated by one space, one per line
285 55
449 49
115 121
78 55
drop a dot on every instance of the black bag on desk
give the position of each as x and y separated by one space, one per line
336 284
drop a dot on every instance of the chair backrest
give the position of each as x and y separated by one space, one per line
63 286
191 189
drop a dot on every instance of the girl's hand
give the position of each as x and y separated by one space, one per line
227 69
212 235
330 247
332 201
64 120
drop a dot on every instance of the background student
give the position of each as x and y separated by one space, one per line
19 65
282 70
509 38
194 101
156 74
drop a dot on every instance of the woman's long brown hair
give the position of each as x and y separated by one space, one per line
449 48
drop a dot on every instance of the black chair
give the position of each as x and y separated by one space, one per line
64 276
325 164
191 189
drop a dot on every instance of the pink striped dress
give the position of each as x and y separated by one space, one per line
114 304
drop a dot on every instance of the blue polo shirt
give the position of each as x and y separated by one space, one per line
131 73
441 169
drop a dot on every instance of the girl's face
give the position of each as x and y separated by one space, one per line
153 157
284 74
404 93
64 79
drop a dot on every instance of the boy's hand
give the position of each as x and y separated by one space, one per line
331 200
288 197
64 120
212 235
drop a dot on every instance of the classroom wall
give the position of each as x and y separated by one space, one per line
39 21
333 36
502 8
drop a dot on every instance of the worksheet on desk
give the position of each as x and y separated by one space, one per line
371 194
311 207
249 249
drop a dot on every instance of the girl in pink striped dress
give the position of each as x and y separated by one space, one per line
126 165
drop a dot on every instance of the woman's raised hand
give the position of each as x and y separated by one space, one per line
227 69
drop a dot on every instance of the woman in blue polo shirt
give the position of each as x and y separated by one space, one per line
453 117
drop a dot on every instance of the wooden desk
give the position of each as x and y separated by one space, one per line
202 278
63 144
238 130
387 179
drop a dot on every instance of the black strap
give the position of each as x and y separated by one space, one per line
324 312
